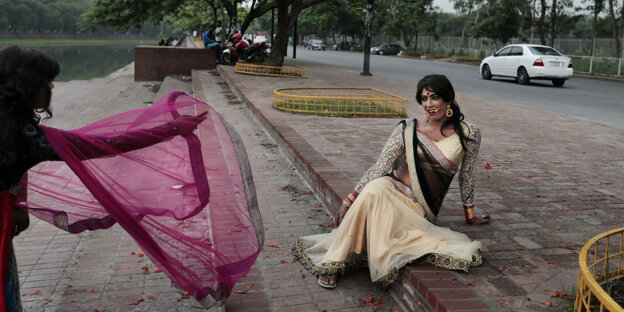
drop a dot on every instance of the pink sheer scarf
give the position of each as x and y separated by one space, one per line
188 201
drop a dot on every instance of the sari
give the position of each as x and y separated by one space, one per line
187 200
390 225
10 298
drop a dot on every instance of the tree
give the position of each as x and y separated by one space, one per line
465 7
553 18
541 25
616 38
501 19
408 16
287 13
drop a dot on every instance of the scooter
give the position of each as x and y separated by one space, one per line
237 49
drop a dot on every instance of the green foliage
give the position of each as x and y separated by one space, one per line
501 19
58 16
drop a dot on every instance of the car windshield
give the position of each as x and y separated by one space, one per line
317 42
544 51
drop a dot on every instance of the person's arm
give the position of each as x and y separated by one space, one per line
96 146
395 147
467 177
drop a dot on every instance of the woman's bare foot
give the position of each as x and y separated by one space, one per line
327 281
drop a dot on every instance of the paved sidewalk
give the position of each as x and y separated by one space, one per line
550 182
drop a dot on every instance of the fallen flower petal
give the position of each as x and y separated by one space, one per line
283 261
241 291
272 245
140 255
470 283
557 228
303 275
501 269
547 303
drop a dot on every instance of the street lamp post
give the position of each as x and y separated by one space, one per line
367 39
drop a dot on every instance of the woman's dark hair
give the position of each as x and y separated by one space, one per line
441 86
24 74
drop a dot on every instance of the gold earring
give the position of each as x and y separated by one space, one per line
449 111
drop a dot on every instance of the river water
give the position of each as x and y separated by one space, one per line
84 63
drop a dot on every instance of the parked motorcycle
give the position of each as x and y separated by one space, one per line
238 49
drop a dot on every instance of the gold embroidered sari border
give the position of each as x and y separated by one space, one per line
438 260
330 268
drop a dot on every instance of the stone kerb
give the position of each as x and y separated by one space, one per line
153 63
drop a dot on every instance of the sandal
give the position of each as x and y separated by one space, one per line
330 279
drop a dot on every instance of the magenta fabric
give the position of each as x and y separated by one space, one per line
182 198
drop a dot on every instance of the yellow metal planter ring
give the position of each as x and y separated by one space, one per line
340 102
275 71
591 276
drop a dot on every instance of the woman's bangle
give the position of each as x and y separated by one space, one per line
348 201
469 214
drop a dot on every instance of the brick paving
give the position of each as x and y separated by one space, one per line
553 184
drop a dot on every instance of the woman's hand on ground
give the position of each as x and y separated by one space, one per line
21 221
186 124
341 214
485 219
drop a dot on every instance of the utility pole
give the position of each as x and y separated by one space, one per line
367 38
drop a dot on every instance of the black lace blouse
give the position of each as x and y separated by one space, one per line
29 148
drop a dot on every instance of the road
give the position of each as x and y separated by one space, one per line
595 100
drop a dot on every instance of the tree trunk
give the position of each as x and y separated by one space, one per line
553 20
278 49
597 9
540 23
463 33
616 37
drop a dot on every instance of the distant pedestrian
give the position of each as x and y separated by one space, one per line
210 42
389 219
235 27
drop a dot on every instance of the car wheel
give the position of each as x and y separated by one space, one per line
523 76
486 73
380 52
558 82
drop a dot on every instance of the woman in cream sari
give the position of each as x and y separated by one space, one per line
389 219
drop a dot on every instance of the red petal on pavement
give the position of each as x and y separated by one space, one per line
179 299
140 255
528 177
550 262
185 295
91 291
613 223
295 259
303 275
319 206
547 303
283 261
241 292
272 245
312 215
158 270
151 297
509 191
488 165
132 253
557 228
591 252
501 269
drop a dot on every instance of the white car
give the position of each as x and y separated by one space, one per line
528 61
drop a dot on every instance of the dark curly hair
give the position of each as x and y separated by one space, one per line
24 74
441 86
